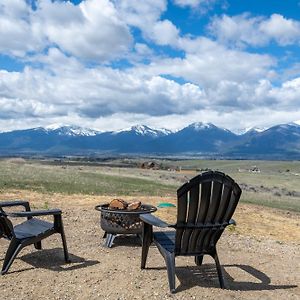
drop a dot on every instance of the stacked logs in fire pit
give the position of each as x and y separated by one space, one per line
120 217
122 204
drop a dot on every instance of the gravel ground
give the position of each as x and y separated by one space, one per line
260 259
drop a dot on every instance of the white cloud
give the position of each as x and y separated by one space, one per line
19 33
214 81
92 30
141 14
100 95
284 31
288 95
146 15
207 63
239 30
96 92
194 3
164 33
243 30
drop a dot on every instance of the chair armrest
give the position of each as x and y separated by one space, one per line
231 222
154 221
35 213
11 203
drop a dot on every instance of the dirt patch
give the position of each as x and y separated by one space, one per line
260 258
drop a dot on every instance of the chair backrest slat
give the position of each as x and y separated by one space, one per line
215 200
181 218
204 201
193 202
226 195
207 199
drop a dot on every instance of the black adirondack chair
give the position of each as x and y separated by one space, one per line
32 231
205 206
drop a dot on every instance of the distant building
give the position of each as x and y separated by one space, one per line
254 169
150 165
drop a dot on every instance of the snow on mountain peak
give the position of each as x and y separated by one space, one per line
201 126
249 130
295 124
146 130
71 130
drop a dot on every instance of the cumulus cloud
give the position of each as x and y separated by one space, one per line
288 94
141 13
19 32
73 74
96 92
243 30
164 33
103 93
207 63
284 31
92 30
194 3
146 16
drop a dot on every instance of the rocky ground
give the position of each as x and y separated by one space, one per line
260 258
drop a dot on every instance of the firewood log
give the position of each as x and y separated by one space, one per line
134 205
118 204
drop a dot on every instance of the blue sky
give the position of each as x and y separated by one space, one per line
110 64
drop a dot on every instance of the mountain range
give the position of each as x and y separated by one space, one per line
197 140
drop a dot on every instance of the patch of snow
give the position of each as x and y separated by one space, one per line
54 126
71 130
201 126
249 129
145 131
295 124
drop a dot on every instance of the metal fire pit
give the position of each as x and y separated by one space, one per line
121 221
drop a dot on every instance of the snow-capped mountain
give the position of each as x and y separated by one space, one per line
197 137
278 141
206 139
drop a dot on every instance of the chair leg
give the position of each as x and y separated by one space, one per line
66 253
170 262
38 245
199 260
219 269
14 248
146 242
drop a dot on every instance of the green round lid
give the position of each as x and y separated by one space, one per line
166 204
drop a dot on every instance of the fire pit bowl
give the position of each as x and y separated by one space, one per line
121 221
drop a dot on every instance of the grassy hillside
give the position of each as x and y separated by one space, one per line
274 184
74 180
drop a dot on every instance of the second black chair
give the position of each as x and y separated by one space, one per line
32 231
205 206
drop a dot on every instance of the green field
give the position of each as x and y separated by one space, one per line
274 184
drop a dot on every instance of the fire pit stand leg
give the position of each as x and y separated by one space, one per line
109 239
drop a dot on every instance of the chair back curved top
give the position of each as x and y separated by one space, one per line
205 206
